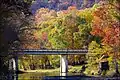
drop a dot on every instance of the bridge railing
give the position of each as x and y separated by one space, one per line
46 51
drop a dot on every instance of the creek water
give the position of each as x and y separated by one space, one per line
55 76
38 76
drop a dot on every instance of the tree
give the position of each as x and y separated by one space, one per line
12 18
67 29
106 26
97 55
93 56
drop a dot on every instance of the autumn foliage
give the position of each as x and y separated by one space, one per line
106 26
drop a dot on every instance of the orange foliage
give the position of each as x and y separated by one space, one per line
30 46
44 36
105 27
72 8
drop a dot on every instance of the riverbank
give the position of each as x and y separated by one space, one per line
40 70
73 69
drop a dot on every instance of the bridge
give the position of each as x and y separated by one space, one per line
13 64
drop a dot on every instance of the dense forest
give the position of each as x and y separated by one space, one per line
53 24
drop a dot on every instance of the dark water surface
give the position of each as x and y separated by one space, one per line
38 76
42 76
35 76
55 76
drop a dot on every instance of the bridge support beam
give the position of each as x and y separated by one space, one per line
63 65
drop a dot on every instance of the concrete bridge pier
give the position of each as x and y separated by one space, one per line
13 68
63 65
13 64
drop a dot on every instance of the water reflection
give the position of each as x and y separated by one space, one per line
55 76
12 76
36 76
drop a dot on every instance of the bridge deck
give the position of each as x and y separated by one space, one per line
50 52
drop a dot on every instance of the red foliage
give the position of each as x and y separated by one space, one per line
105 27
44 36
72 8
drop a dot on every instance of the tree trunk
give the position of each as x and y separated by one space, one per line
116 63
116 67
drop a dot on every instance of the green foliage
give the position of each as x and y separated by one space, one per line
103 73
95 48
39 62
95 6
94 56
67 31
55 62
75 69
